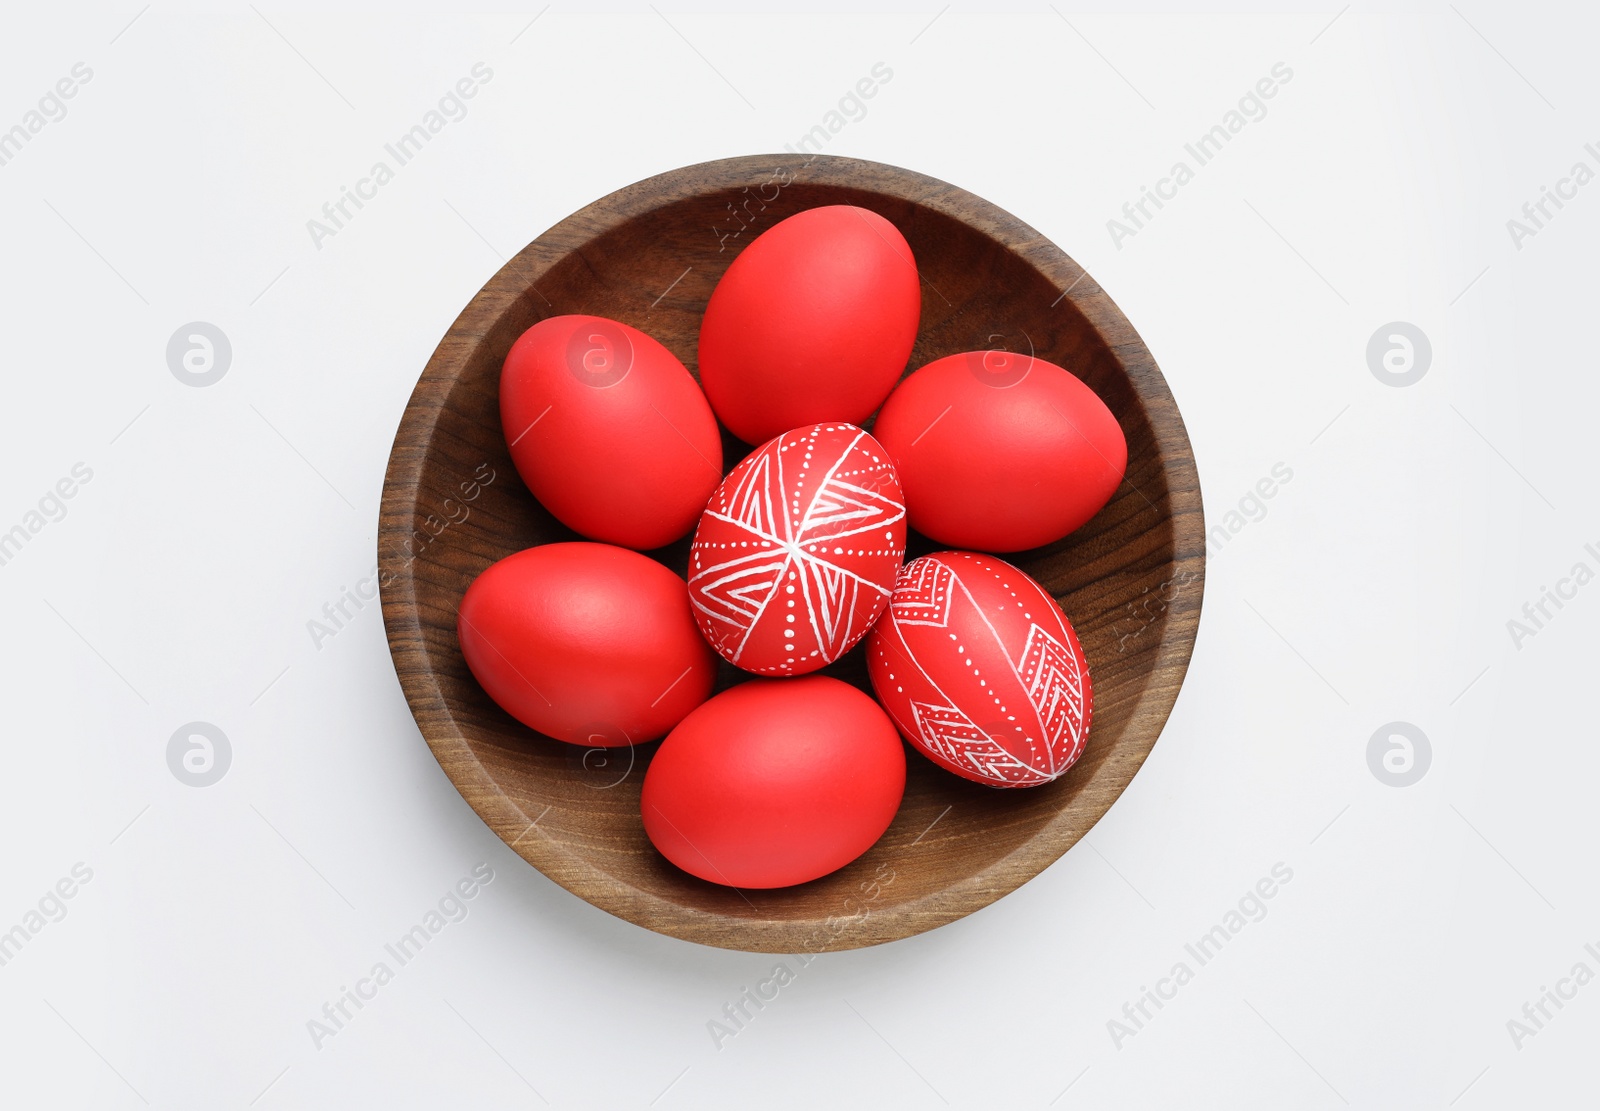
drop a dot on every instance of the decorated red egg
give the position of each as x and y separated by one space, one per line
588 643
814 321
1000 451
609 430
774 782
982 671
796 554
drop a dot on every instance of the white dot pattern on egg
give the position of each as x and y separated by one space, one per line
981 670
796 554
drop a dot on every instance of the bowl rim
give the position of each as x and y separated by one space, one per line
407 636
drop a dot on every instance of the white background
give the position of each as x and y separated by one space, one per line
1376 588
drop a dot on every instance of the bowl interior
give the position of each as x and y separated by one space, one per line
649 256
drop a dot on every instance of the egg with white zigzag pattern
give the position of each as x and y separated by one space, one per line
981 670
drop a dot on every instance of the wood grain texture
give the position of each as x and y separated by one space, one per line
649 255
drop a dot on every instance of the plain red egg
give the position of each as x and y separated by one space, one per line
609 430
814 321
796 553
981 670
999 451
587 643
774 782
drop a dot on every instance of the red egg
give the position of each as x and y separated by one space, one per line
1000 451
609 430
796 554
814 321
587 643
774 782
982 671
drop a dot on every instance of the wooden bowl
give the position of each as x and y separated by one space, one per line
649 255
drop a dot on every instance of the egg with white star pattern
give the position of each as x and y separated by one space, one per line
796 554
